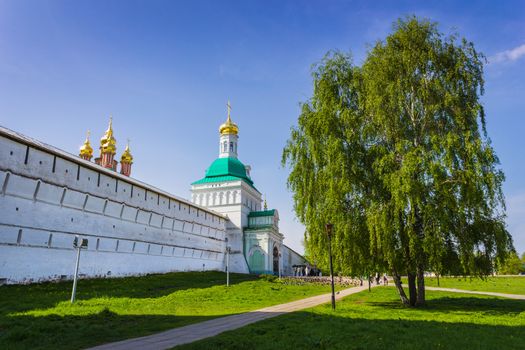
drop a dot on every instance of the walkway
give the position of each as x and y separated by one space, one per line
198 331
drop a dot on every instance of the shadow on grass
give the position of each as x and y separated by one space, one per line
307 330
77 332
488 305
18 298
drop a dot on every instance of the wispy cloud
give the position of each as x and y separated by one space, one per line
508 55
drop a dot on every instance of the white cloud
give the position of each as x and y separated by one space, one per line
508 55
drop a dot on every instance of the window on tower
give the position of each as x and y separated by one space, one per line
225 146
231 146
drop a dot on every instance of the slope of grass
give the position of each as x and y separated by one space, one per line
377 320
510 285
41 317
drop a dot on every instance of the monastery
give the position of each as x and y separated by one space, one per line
48 197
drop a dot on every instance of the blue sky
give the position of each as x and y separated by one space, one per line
165 70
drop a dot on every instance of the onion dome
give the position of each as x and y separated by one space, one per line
108 144
86 151
229 127
126 158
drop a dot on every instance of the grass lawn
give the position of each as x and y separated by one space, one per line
377 320
510 285
40 316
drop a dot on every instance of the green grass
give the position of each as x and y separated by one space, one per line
510 285
377 320
40 316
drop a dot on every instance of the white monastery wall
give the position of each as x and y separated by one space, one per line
289 258
48 196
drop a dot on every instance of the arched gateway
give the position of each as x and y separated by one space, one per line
275 260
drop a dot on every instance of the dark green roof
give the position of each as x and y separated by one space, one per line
261 213
225 169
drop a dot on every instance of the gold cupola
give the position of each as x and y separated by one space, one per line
108 144
229 127
126 157
86 151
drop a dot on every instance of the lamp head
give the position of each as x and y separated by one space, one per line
329 228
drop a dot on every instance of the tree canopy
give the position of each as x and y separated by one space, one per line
395 153
513 265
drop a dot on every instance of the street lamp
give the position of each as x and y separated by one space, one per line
329 228
280 273
228 250
78 243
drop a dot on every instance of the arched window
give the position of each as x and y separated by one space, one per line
231 146
225 146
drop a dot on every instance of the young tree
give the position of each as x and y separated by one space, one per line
512 266
396 155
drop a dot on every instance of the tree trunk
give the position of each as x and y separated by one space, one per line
400 290
412 291
420 286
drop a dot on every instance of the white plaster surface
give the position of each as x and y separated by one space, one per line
48 196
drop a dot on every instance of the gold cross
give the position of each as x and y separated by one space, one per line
229 108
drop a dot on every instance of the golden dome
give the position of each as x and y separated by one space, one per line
126 156
229 127
108 144
86 150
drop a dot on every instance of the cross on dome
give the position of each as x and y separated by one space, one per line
229 127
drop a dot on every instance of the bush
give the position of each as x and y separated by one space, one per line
267 277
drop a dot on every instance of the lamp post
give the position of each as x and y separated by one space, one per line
329 228
228 248
78 243
280 273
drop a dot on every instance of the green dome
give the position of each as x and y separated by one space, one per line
225 169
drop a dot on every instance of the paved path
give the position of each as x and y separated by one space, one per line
503 295
198 331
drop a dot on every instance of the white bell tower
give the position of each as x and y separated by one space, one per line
229 138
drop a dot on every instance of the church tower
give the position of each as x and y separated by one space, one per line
229 137
108 149
227 188
125 161
86 151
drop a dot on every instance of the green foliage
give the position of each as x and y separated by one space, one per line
396 155
376 321
40 316
268 277
512 266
